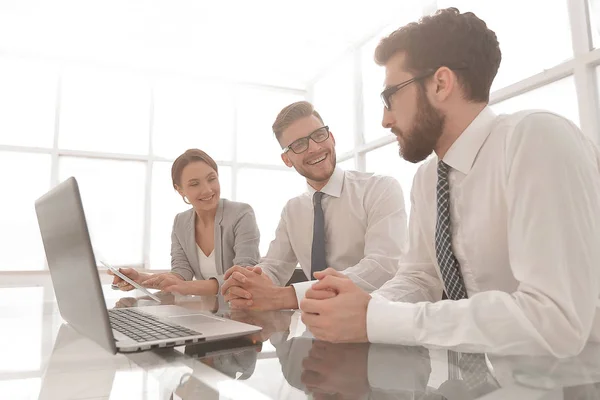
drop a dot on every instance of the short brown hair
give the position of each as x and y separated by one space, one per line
291 114
448 38
186 158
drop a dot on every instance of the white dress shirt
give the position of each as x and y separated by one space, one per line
365 228
208 266
525 221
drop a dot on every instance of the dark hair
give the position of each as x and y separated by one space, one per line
190 156
461 42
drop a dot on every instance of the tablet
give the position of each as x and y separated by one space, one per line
130 281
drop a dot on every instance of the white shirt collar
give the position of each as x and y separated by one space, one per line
463 151
334 186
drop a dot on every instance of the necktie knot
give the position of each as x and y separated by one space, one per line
317 197
442 170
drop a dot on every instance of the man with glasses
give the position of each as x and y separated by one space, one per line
505 216
350 221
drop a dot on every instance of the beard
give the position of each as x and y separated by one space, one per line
322 175
419 142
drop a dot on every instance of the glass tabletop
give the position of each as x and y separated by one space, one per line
283 361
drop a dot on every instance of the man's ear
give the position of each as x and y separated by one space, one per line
286 160
444 81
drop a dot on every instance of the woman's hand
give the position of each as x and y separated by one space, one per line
131 274
166 282
175 284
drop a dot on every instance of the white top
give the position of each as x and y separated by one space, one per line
365 228
525 216
208 268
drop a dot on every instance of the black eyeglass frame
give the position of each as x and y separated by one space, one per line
305 140
387 94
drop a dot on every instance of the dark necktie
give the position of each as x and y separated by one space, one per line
473 367
449 267
317 258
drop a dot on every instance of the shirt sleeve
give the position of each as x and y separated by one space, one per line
417 279
553 204
280 261
384 237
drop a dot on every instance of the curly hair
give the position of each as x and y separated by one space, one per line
461 42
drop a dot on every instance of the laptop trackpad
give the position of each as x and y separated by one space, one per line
195 321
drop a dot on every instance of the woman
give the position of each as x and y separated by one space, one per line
207 239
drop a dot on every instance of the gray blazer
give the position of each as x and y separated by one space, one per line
236 240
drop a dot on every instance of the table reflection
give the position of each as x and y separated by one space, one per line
353 371
281 361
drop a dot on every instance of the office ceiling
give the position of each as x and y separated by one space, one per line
280 43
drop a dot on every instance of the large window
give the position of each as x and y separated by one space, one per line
347 165
25 177
559 97
523 28
118 133
118 129
189 114
256 112
112 193
104 112
257 188
594 13
373 84
27 89
334 98
386 160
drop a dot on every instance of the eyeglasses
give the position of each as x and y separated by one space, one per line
387 94
299 146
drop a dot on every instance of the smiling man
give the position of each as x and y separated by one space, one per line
350 221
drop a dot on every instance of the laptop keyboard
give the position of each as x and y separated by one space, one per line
142 327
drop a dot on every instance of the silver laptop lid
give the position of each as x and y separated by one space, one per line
72 263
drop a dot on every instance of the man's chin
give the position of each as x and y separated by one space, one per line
319 176
316 174
414 157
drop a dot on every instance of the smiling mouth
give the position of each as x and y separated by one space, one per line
318 160
209 198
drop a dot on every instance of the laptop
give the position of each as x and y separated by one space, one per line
78 291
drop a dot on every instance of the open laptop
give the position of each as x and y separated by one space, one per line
79 294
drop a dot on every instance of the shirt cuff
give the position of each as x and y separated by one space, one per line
301 289
390 322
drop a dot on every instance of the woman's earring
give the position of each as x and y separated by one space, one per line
185 200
